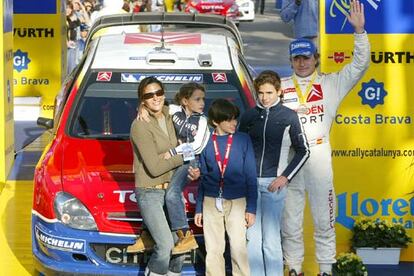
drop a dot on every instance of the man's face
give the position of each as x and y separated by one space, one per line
304 65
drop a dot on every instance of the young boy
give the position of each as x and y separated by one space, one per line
227 194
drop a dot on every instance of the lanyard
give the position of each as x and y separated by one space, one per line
303 96
222 164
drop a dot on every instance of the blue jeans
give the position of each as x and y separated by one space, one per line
174 199
151 205
264 242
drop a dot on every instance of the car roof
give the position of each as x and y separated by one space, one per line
184 51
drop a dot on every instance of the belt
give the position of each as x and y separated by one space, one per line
159 186
317 141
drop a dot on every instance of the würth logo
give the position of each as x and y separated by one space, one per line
339 57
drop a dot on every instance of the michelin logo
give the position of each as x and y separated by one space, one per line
60 243
169 78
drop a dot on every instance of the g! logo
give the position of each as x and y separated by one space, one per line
21 60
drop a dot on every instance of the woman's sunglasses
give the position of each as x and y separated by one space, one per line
151 95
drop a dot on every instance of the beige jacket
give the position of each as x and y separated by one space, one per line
149 143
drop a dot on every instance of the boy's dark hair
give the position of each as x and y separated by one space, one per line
222 110
145 82
187 90
267 76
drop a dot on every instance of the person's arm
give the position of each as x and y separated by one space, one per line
353 72
300 146
249 170
200 140
200 192
289 10
145 144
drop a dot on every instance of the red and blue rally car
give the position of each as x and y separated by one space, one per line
84 209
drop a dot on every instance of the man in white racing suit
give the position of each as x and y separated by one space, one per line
316 98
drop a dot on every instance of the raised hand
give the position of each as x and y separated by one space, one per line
357 16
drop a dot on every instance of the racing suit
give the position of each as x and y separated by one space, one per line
316 176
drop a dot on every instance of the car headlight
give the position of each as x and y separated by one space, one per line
71 212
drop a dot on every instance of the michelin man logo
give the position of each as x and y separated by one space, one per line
21 60
372 93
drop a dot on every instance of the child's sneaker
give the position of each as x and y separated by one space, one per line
185 243
143 243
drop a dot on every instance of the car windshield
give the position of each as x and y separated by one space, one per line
106 109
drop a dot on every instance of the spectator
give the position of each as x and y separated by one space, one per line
81 42
73 34
275 130
316 98
261 4
304 14
109 7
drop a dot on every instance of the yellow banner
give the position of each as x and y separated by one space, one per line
373 134
40 54
6 99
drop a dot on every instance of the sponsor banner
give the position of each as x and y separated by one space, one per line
169 78
384 16
39 52
6 98
372 135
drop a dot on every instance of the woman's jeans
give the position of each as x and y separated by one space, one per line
151 205
174 199
264 242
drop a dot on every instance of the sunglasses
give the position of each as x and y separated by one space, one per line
150 95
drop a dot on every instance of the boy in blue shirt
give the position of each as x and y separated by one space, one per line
227 194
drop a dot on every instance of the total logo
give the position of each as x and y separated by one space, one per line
398 210
372 93
21 60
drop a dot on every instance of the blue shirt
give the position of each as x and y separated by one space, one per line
240 175
305 17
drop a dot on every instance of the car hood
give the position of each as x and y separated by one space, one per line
100 175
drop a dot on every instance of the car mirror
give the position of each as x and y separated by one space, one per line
45 122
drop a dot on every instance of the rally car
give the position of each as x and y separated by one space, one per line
84 208
246 10
227 8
